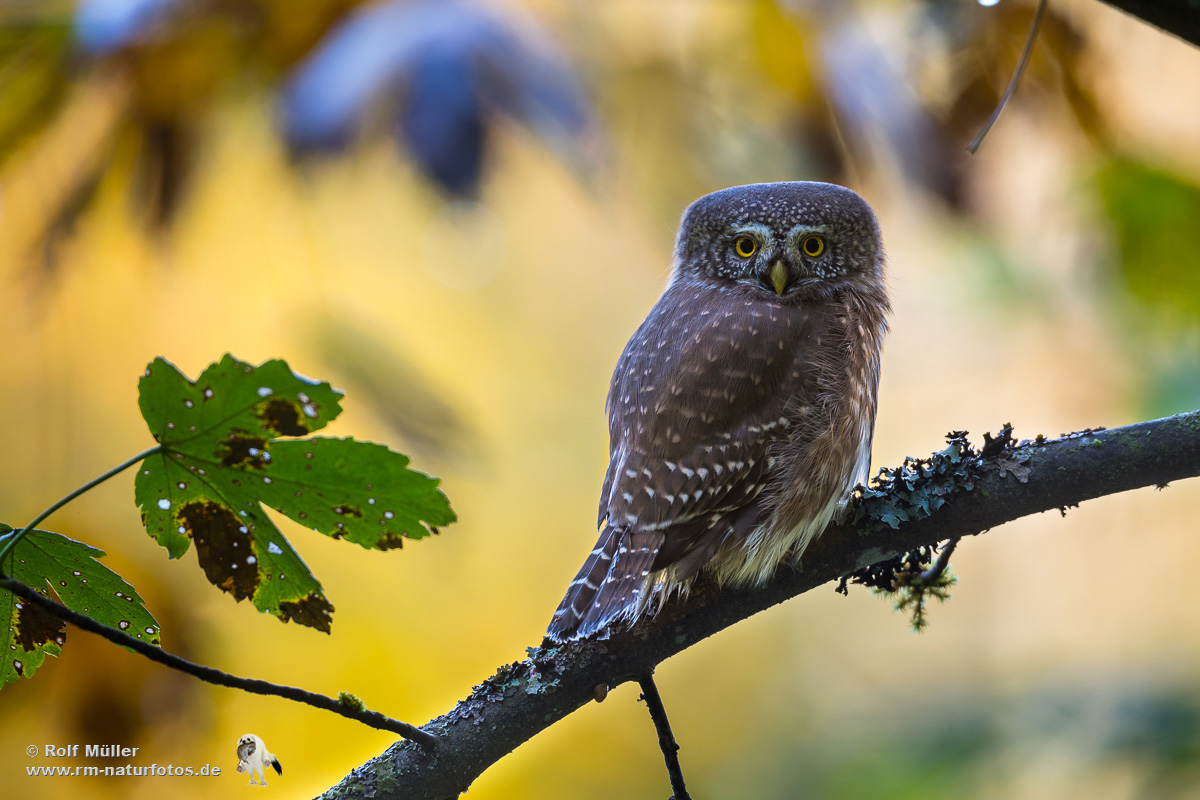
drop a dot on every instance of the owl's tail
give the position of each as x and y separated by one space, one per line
608 586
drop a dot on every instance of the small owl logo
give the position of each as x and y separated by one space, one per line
253 757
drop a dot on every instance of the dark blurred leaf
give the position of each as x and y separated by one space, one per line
445 69
32 59
166 161
442 124
398 392
74 203
877 109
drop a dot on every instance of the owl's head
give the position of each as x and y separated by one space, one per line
787 240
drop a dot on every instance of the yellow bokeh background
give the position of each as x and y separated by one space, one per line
514 315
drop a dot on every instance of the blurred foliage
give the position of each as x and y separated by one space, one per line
439 75
1154 216
855 86
32 76
1145 739
1155 223
449 69
379 374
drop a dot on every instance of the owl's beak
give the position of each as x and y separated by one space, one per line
778 276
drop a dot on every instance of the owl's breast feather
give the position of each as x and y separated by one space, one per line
697 400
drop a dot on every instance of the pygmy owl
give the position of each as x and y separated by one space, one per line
741 412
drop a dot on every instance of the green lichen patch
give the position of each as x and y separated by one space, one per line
914 491
918 487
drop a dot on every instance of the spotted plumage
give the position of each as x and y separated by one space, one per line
741 412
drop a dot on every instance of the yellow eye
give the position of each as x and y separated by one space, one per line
813 246
744 246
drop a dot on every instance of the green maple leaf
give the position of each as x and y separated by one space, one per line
83 584
222 460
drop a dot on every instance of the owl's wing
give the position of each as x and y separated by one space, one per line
701 393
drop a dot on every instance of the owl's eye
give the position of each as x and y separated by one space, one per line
744 246
813 246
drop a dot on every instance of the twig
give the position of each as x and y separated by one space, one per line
124 465
1016 77
216 676
1173 16
939 566
666 739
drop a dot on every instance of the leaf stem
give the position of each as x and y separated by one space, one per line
11 543
1016 77
216 676
931 575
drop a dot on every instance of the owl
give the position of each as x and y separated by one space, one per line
742 410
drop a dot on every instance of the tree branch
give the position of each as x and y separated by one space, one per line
1180 17
666 739
215 676
968 492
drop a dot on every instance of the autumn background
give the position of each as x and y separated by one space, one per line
159 196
